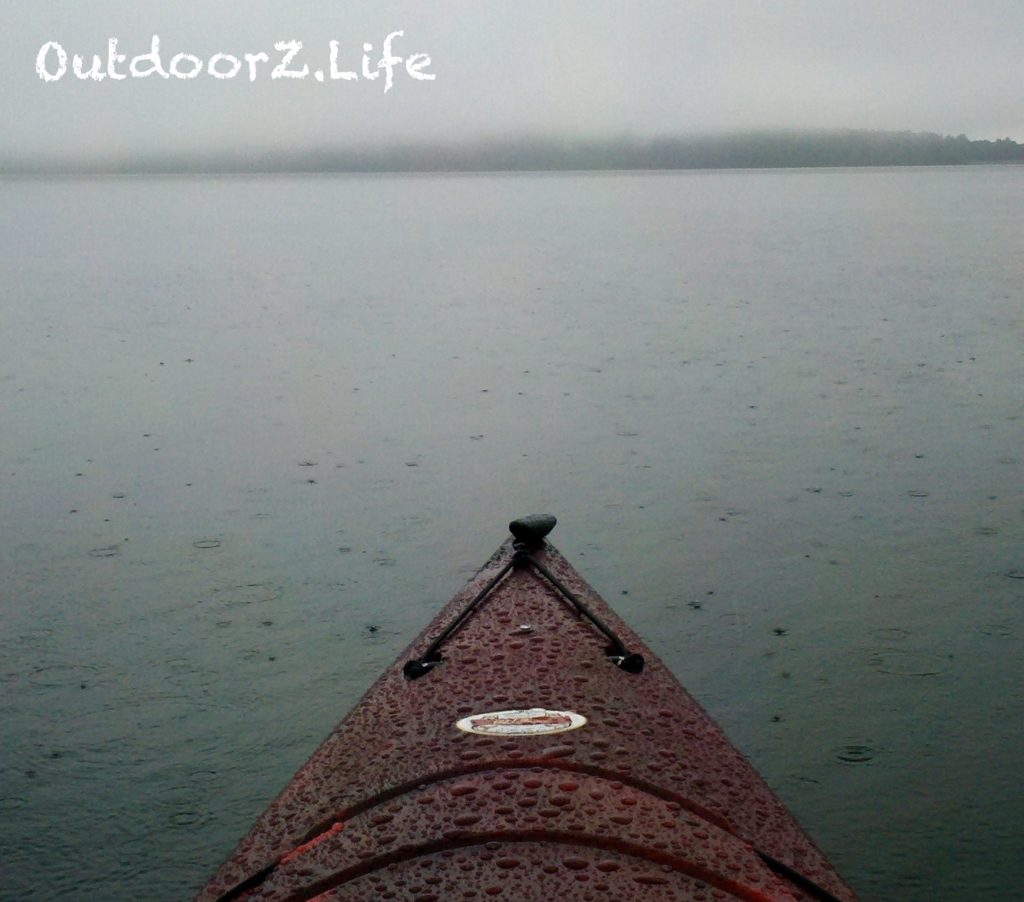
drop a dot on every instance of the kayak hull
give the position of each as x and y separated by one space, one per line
523 762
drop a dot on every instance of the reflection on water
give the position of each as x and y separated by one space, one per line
258 430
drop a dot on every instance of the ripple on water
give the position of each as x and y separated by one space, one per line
1002 630
11 803
900 662
202 776
61 676
250 593
184 818
855 753
106 551
890 634
33 637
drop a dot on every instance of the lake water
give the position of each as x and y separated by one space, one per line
255 431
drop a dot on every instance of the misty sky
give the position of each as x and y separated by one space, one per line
574 67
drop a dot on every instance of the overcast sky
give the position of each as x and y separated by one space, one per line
578 67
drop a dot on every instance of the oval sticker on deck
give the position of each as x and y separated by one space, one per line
523 722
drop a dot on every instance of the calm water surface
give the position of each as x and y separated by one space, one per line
256 430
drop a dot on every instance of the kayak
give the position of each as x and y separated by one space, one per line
526 745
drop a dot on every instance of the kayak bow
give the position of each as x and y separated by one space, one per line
527 745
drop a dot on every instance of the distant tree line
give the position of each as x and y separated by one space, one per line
741 150
733 151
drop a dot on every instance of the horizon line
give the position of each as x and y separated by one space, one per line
738 149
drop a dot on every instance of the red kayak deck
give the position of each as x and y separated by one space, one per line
644 800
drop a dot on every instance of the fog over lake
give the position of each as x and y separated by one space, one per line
593 69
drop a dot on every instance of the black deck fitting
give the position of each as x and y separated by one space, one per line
529 531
